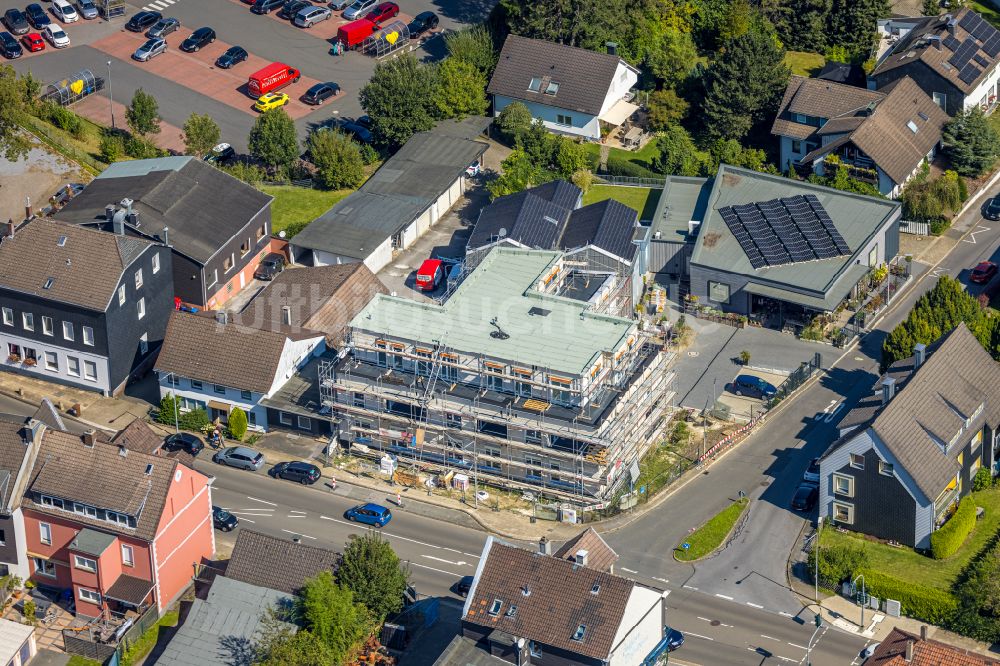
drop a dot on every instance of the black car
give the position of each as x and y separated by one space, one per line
320 92
221 154
143 21
421 23
233 56
365 121
270 266
302 472
37 16
675 639
464 585
9 46
991 211
357 131
266 6
292 7
183 441
805 497
223 520
16 21
199 38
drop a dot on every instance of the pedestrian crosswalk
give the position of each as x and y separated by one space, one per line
158 5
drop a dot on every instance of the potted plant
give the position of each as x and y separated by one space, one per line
745 357
14 358
30 362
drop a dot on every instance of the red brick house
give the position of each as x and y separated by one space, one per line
122 528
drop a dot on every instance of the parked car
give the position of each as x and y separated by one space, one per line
242 457
233 56
300 472
991 211
56 36
184 441
9 46
983 272
805 497
292 7
464 585
151 49
87 9
143 21
310 16
64 11
16 21
869 650
359 8
338 5
382 12
274 76
270 266
430 274
369 514
198 39
421 23
811 474
163 27
271 100
473 169
321 92
33 42
223 520
357 131
37 16
365 121
222 152
675 639
266 6
752 386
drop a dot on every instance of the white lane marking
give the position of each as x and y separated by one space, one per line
394 536
662 580
250 512
471 555
750 603
296 517
690 588
691 633
723 596
798 646
629 570
246 520
826 410
834 412
454 550
304 536
438 559
778 656
255 499
424 566
704 618
296 511
770 638
785 614
971 238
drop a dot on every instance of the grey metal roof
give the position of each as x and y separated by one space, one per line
608 225
524 218
464 651
12 453
91 542
684 200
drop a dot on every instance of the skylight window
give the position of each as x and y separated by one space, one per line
552 88
579 633
912 125
149 469
595 589
923 116
495 607
61 242
535 85
511 612
49 283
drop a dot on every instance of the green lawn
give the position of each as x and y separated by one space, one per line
642 199
710 536
84 149
909 565
77 660
644 156
804 63
294 207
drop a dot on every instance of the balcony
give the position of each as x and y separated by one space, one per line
944 505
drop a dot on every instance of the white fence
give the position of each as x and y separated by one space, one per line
916 228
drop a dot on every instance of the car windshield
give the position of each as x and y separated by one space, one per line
222 514
148 46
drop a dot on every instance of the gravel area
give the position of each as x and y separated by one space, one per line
37 176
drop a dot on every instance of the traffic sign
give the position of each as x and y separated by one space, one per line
685 545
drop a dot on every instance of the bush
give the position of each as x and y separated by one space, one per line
918 602
248 173
237 423
368 154
141 149
195 419
946 541
978 614
983 480
61 117
939 226
618 166
112 147
837 563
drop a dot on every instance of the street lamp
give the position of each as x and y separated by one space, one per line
819 625
819 529
111 99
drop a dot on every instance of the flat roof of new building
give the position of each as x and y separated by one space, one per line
684 199
542 330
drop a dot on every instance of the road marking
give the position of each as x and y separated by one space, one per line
785 614
754 605
424 566
250 512
255 499
471 555
304 536
723 596
971 238
704 618
394 536
662 580
770 638
454 550
246 520
438 559
834 412
691 633
296 516
690 588
798 646
296 511
629 570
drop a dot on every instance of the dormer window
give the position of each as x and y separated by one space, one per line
535 85
580 632
595 589
495 607
552 88
511 612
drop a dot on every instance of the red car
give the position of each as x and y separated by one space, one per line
430 274
383 11
983 272
33 42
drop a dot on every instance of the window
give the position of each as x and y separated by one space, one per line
121 295
15 350
873 256
843 485
843 513
940 99
796 146
535 649
156 264
800 118
73 366
305 423
718 292
45 533
90 370
228 264
88 336
495 607
138 279
564 120
219 389
884 468
90 595
580 632
196 384
215 277
358 400
85 563
114 517
535 84
28 320
251 417
189 404
8 316
173 379
44 568
857 461
84 510
144 344
552 88
68 333
3 538
141 307
453 420
284 418
47 327
128 558
245 395
493 381
51 361
533 436
245 248
261 231
528 460
52 501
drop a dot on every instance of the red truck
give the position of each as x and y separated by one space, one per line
352 34
275 76
430 274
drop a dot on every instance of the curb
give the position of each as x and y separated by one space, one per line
734 532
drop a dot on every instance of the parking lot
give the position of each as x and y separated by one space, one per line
189 82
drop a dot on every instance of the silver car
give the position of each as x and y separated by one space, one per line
359 9
338 5
242 457
163 27
152 47
87 8
310 16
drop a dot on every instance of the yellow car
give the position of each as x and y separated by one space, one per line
270 101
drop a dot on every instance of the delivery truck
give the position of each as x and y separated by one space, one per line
352 34
275 76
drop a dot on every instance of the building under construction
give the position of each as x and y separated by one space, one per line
510 381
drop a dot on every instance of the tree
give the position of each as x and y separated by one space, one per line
570 157
337 158
330 612
143 114
273 139
584 179
931 7
799 24
373 572
678 154
473 45
237 423
459 90
732 152
201 134
852 24
399 98
514 121
971 143
675 56
519 172
744 86
17 96
538 144
302 648
738 21
665 108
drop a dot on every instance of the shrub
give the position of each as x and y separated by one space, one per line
939 226
983 478
947 540
141 149
248 173
112 147
237 423
978 615
368 154
29 611
918 601
837 563
194 420
622 167
583 179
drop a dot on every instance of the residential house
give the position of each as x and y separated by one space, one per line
20 439
901 648
602 241
277 564
80 306
511 377
881 137
211 363
123 530
17 643
842 72
571 90
409 193
927 429
951 57
217 227
588 548
530 608
138 436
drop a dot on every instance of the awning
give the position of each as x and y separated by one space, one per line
129 590
618 112
221 406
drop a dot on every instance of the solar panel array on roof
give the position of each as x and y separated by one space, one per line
982 60
784 231
969 73
964 53
951 43
992 45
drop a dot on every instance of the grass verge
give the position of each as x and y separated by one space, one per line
710 536
294 207
143 645
84 150
77 660
804 63
641 199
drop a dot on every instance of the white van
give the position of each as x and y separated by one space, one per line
64 11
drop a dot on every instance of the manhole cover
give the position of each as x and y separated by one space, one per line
765 483
715 623
692 354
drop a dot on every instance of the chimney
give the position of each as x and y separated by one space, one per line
132 217
109 213
222 317
612 48
122 449
544 546
581 557
909 652
118 223
10 228
888 389
166 236
919 354
27 208
88 437
127 204
923 632
286 315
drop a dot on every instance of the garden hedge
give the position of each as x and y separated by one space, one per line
623 167
918 602
946 541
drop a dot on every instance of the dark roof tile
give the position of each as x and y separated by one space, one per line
277 564
600 555
892 652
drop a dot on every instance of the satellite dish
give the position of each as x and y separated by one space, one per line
502 232
281 234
